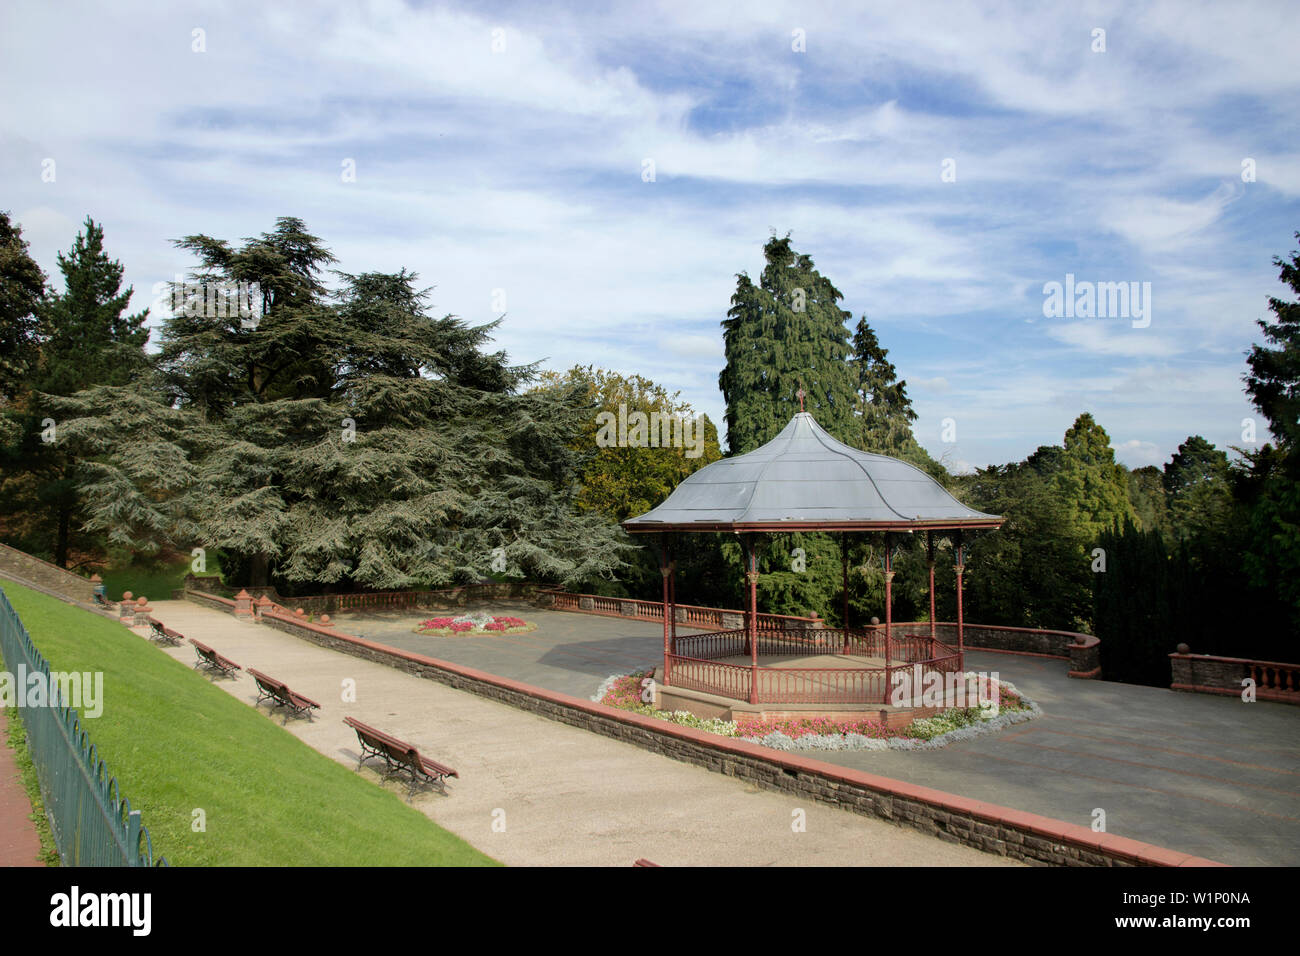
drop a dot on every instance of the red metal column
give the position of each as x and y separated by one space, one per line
929 550
672 598
752 630
889 601
844 565
961 642
665 570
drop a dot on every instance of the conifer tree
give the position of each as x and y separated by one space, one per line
85 339
1197 490
786 333
883 411
1271 485
1092 485
341 439
22 286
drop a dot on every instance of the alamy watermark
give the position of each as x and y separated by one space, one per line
919 687
654 430
83 690
1098 300
210 298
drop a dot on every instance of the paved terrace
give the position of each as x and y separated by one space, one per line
569 796
1202 774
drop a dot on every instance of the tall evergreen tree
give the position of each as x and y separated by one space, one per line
22 286
1092 485
1271 487
786 333
1197 489
882 409
86 339
1273 381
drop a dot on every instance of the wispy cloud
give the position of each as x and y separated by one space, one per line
501 148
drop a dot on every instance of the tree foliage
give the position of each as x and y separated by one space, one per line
1272 484
341 439
785 333
82 338
22 287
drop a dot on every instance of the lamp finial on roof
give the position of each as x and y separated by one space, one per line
801 393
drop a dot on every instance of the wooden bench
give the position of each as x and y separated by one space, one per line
164 635
212 660
279 694
398 756
644 862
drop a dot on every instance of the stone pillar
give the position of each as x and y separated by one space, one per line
243 604
126 609
261 606
142 612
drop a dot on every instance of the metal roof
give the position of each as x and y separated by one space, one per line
805 479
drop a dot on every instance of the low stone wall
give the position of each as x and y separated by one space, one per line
1225 675
1083 651
1000 830
208 583
22 567
211 600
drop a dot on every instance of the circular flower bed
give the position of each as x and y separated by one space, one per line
472 624
628 692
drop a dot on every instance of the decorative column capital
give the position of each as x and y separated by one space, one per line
751 577
889 576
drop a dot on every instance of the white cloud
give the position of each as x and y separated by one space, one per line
521 169
1136 453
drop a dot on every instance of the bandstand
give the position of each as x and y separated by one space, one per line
805 480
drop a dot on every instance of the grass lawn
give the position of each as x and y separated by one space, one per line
176 744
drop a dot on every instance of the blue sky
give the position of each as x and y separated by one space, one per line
520 169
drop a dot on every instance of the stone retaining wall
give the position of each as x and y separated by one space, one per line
1224 675
25 568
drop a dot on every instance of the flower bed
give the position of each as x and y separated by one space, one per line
468 625
820 733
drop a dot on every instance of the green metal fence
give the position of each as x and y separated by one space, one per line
92 823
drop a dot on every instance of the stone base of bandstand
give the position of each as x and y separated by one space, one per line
706 705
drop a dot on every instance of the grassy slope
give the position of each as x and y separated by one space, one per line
177 743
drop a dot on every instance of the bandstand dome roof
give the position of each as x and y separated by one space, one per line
803 479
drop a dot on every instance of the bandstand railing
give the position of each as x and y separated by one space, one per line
695 664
